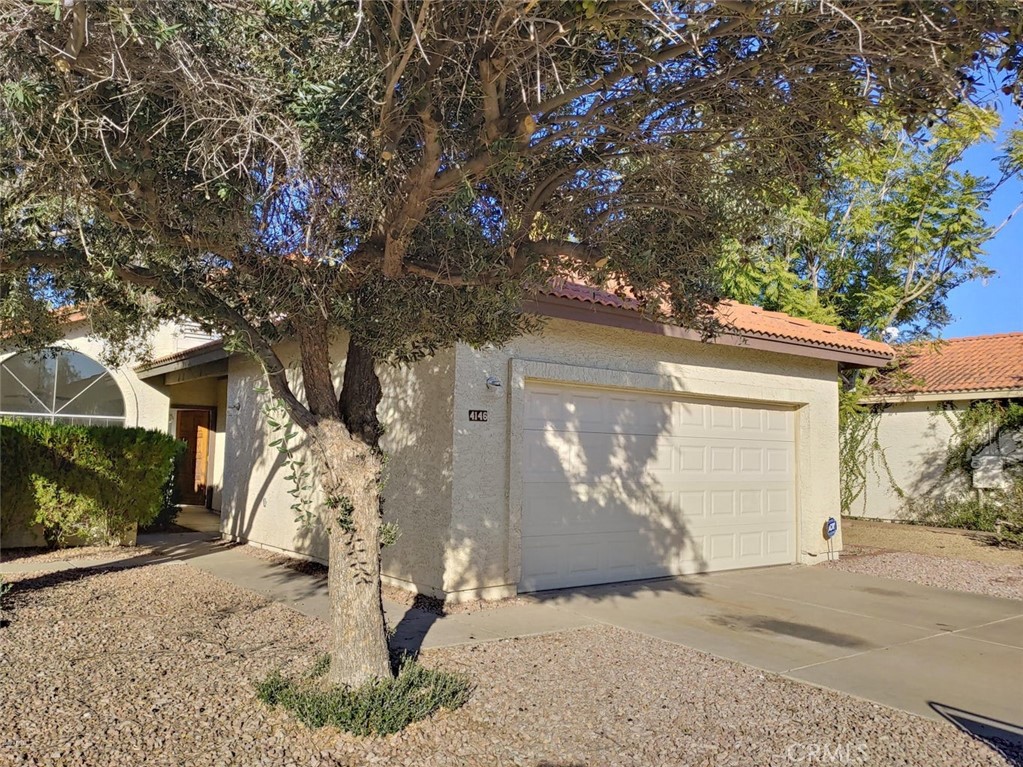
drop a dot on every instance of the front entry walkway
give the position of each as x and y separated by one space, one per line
929 651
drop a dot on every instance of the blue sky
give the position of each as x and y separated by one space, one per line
994 306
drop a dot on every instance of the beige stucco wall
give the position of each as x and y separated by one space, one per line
482 554
913 440
451 484
416 415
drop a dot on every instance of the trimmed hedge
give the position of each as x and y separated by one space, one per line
83 484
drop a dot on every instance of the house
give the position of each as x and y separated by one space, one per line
68 383
917 415
607 448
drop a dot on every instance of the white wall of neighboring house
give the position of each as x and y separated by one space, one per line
910 459
913 441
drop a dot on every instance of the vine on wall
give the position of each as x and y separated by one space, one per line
860 450
976 427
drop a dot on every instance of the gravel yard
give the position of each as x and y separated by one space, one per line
945 559
155 665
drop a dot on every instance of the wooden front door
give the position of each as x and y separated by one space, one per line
194 428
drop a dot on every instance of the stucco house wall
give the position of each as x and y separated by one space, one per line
483 553
416 416
451 484
921 398
913 440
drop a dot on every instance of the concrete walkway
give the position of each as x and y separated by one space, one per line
414 628
920 649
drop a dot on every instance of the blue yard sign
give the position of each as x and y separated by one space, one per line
831 528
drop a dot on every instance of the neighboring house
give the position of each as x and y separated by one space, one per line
917 419
608 448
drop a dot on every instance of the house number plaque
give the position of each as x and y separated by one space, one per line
478 415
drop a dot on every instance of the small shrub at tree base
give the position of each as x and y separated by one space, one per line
82 484
381 706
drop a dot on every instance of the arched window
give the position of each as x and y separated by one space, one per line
59 385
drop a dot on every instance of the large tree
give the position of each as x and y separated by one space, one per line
898 224
405 171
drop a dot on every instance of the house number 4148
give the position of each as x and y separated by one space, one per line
477 415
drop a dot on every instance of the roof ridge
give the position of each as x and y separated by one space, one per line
957 339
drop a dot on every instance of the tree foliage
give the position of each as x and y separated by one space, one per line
257 164
898 226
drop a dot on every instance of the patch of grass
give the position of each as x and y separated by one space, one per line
381 707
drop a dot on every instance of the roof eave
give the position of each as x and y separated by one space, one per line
203 355
572 309
961 395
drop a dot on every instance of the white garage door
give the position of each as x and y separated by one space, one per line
619 485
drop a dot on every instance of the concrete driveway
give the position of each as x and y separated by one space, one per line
920 649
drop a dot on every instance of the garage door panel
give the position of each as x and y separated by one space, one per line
630 414
632 485
563 562
550 456
692 459
692 504
747 462
551 509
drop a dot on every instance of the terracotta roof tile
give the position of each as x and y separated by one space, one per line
975 363
739 319
182 355
745 320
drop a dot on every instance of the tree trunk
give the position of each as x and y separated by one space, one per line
360 396
343 440
350 475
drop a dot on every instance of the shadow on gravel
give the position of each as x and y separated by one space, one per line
168 552
1004 738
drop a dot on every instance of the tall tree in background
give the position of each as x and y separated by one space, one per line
406 171
896 227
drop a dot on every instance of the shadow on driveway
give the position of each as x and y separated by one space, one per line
1004 738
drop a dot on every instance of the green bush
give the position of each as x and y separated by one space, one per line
82 484
381 706
169 509
998 511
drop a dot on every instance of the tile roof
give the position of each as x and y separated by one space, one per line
746 321
737 319
975 363
182 355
